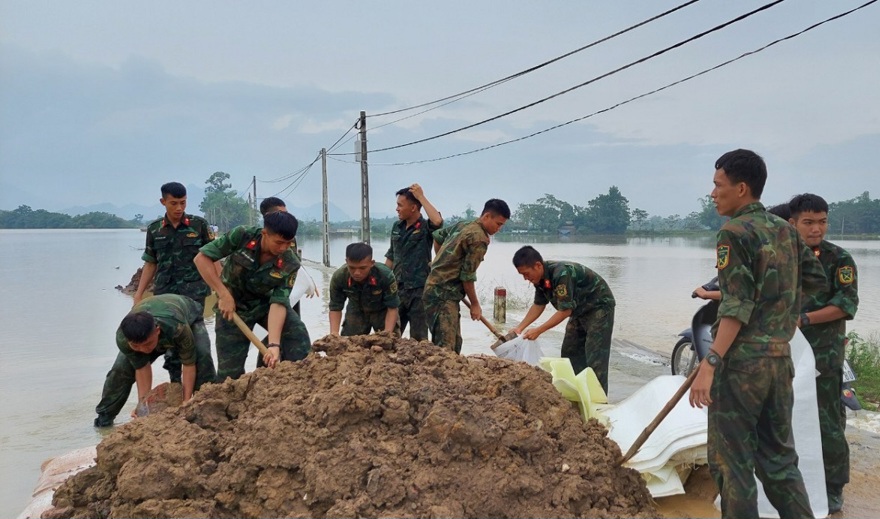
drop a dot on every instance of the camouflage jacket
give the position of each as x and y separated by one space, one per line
761 261
254 286
173 250
844 294
572 286
462 248
374 294
410 251
175 315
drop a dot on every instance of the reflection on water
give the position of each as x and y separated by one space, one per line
60 312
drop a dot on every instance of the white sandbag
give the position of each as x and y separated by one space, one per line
520 349
53 472
304 285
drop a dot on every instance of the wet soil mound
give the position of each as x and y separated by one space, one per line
378 427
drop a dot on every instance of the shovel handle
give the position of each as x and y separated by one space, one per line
485 321
659 418
249 333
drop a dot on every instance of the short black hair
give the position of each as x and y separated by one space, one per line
137 326
175 189
281 223
744 166
807 202
781 210
358 251
496 206
271 203
526 257
407 192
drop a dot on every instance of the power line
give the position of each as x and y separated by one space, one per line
476 90
593 80
705 71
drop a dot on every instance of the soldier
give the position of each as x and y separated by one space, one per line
172 243
460 250
371 291
577 293
255 282
825 329
167 322
410 256
746 378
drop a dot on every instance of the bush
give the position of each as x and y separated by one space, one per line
863 356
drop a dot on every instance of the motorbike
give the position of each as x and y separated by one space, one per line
696 341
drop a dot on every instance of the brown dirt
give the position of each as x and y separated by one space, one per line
132 285
379 427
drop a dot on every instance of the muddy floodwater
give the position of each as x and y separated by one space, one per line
60 309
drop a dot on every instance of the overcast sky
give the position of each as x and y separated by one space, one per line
103 101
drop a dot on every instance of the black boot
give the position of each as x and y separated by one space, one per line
103 420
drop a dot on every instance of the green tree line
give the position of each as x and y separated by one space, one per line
26 218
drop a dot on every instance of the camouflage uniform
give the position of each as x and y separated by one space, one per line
587 342
462 248
181 329
410 252
828 341
368 301
254 287
172 249
760 262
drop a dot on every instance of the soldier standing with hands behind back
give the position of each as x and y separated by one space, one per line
410 256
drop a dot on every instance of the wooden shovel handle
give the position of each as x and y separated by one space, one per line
659 418
484 320
249 333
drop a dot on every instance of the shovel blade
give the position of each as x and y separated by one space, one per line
501 340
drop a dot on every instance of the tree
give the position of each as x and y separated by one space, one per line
606 214
708 216
639 217
222 206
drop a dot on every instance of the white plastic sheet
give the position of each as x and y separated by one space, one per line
304 285
520 349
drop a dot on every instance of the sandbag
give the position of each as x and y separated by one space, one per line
520 349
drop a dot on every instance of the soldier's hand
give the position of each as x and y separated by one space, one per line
531 334
417 191
226 305
136 298
699 394
476 312
272 356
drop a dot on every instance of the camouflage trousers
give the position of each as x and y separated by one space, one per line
233 346
444 321
587 342
121 377
750 434
832 424
412 312
362 323
172 360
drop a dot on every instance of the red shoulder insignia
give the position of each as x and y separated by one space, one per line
251 245
279 263
373 281
547 284
186 221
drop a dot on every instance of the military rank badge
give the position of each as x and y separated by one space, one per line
192 235
846 275
290 281
276 274
723 255
561 291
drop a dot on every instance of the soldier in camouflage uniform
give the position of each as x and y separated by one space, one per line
746 378
172 243
410 256
259 271
460 249
577 293
371 291
156 325
825 328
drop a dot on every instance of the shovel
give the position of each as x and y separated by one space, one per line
501 338
659 418
249 333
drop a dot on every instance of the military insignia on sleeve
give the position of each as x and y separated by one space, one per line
723 255
290 281
393 287
561 291
192 235
276 274
846 275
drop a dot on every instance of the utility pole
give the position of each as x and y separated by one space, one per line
254 214
365 183
324 210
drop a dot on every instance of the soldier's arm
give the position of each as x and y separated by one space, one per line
844 299
390 319
225 301
335 321
275 325
147 275
337 300
144 379
433 214
534 312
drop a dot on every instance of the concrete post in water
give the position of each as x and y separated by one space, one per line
500 305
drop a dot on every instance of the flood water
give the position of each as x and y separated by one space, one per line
59 312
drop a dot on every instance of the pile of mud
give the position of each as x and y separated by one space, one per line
379 427
132 285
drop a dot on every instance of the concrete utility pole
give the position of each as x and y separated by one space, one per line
324 210
255 198
365 183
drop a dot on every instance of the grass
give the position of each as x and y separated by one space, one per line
864 359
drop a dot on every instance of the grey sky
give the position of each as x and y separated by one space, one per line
104 101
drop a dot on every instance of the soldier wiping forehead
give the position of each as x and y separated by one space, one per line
256 280
370 290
